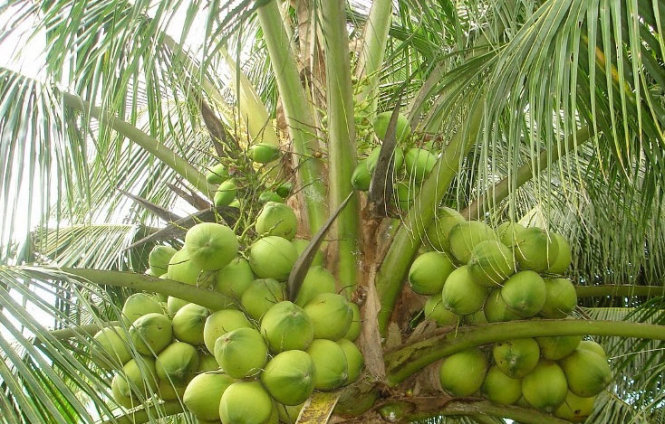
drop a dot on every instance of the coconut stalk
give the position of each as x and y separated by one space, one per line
298 112
375 37
341 139
209 299
151 144
390 277
402 363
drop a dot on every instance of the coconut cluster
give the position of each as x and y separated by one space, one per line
256 359
410 164
478 274
219 174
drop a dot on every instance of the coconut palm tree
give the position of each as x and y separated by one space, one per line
112 112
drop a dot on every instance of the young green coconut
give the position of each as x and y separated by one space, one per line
500 388
429 271
221 322
545 387
158 259
245 402
112 351
272 257
524 293
204 392
151 333
587 372
462 373
331 367
289 377
177 363
139 304
439 230
234 278
318 280
276 219
188 323
261 295
464 236
241 353
286 326
461 294
330 314
516 358
211 246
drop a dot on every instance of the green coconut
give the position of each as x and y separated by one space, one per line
330 364
545 387
284 189
204 392
318 280
174 304
464 236
217 174
403 195
286 326
516 358
151 333
111 350
207 362
524 293
220 323
289 377
491 263
138 305
560 298
158 259
439 230
225 193
234 278
241 353
575 408
434 311
462 373
188 323
461 294
557 347
563 256
373 158
535 249
177 363
419 163
301 245
135 382
587 372
477 317
356 323
496 310
211 246
429 271
272 257
261 295
263 153
330 314
354 359
499 388
402 127
269 196
182 269
361 177
592 346
169 391
289 414
245 402
508 231
277 219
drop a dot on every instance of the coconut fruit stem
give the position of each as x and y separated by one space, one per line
411 358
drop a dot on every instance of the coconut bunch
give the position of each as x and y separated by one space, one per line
477 274
220 175
257 358
410 164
